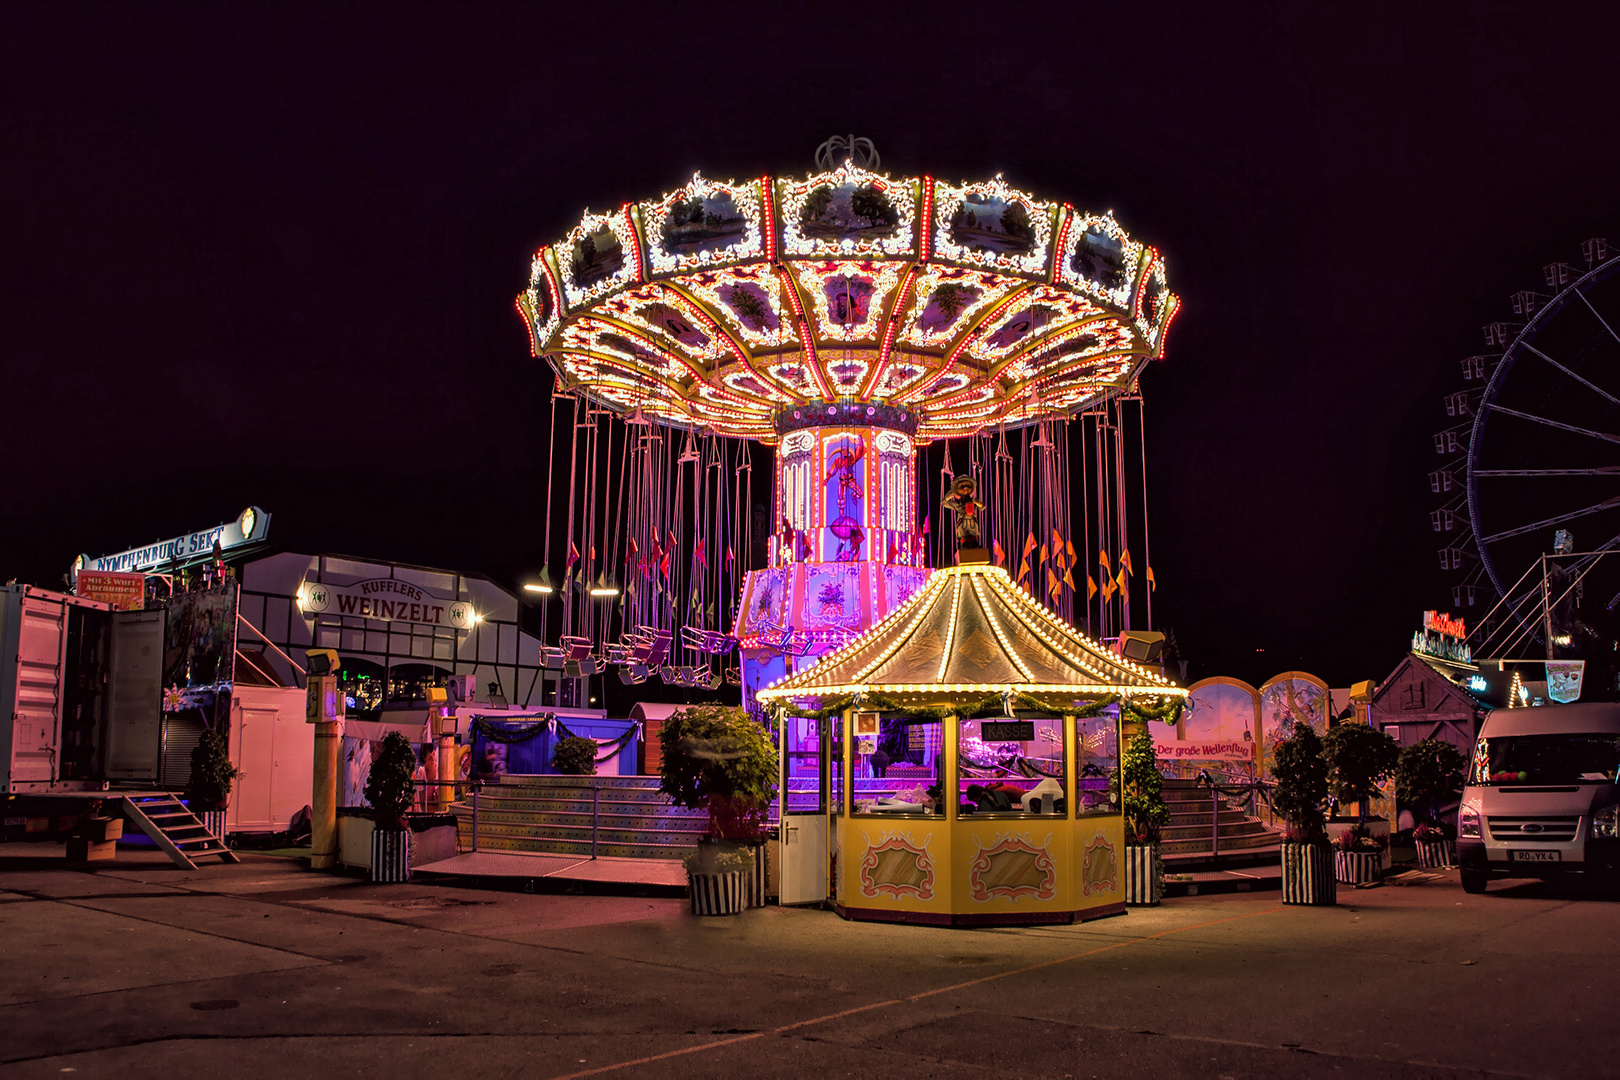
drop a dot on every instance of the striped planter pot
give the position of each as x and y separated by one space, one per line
1307 875
390 856
1434 854
755 886
1144 875
719 894
1357 867
214 822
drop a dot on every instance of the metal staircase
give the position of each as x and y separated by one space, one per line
173 828
1208 829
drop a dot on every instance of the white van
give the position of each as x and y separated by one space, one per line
1543 795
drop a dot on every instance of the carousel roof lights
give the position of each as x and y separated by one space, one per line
955 297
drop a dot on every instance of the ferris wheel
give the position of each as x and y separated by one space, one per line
1531 462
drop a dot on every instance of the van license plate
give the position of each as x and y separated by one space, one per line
1534 856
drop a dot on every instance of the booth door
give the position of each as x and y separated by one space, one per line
804 809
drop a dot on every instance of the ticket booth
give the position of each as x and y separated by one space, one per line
959 764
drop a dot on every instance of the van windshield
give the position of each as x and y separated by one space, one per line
1546 759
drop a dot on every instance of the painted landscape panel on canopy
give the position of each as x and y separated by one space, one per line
704 224
848 211
993 225
597 257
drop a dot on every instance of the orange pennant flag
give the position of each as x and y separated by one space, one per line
997 554
1029 546
1107 588
1152 585
1124 588
1023 571
1073 558
1125 561
1043 553
1053 585
1057 545
1091 587
1103 561
1068 579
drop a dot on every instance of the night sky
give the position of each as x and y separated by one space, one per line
267 255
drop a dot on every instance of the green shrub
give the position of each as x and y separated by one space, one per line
716 759
1428 773
574 756
1359 759
388 786
1301 773
211 773
1145 811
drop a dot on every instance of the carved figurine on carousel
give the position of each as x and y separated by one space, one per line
963 501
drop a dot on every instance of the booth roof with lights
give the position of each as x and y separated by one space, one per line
1003 696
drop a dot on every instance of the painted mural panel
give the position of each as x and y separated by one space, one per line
1218 731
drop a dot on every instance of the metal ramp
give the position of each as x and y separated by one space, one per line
173 828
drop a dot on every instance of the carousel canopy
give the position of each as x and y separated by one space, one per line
741 307
967 633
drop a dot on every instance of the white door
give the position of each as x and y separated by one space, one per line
255 758
804 810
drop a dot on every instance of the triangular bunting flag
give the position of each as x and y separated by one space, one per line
700 554
1043 555
1125 561
1029 546
1102 561
998 556
1091 587
573 556
1124 587
1152 585
1023 571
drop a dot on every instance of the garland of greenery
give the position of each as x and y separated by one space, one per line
486 729
1168 710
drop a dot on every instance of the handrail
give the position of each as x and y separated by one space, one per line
295 665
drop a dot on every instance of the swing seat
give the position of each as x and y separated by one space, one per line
708 641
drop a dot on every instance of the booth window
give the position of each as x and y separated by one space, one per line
801 743
896 765
1096 740
1011 765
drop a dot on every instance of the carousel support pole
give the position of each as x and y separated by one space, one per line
444 724
323 707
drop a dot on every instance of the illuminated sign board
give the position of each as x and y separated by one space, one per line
386 600
1443 638
250 527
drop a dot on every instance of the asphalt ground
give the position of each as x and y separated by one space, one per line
138 969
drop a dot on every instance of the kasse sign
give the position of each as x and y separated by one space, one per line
387 600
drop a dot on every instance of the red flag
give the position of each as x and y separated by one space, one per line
925 526
633 551
731 556
997 554
893 553
663 566
701 554
671 545
573 556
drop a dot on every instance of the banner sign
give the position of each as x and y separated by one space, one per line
1564 680
125 592
199 640
1218 724
250 527
386 600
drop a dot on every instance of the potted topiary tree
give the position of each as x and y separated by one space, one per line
574 756
1301 793
1145 815
718 760
1359 759
208 792
390 792
1427 774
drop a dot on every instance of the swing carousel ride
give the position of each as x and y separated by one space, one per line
870 330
